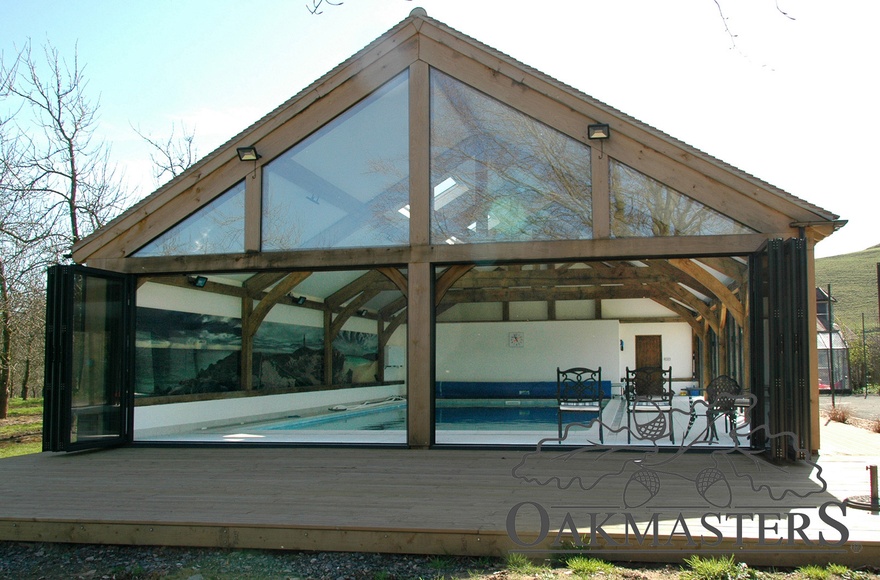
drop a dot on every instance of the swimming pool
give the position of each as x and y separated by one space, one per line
449 415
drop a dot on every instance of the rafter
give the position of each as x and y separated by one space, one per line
270 299
727 298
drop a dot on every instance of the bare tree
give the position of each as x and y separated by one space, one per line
57 185
173 155
70 170
20 253
730 32
315 7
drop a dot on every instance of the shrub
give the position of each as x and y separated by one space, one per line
875 425
839 414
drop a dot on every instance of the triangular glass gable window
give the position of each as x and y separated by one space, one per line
498 175
644 207
217 228
346 184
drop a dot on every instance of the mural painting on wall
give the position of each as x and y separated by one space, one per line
180 353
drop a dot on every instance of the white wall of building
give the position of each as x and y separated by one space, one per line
481 351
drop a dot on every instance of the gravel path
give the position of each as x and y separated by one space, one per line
20 560
859 406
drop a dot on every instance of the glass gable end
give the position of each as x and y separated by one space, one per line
344 186
217 228
644 207
498 175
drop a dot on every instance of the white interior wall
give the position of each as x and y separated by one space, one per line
472 312
164 297
528 310
575 309
633 308
481 351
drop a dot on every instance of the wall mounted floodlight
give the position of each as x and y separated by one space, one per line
300 300
598 131
247 153
363 312
197 281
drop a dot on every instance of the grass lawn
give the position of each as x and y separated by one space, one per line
22 431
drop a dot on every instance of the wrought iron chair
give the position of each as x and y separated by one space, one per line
649 390
724 396
579 390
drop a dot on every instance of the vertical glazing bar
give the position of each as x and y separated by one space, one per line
601 193
419 154
253 204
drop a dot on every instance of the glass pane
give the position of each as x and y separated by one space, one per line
96 382
189 381
498 175
217 228
347 184
499 345
644 207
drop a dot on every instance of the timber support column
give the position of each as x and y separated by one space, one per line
420 293
418 353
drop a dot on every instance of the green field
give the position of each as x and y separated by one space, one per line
22 431
853 279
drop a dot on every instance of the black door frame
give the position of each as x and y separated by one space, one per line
61 306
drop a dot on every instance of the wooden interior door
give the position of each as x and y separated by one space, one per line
649 351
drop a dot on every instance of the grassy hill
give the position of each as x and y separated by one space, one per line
853 279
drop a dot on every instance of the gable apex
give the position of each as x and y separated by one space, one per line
420 38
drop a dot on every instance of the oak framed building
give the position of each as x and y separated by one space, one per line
425 234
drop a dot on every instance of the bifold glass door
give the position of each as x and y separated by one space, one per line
780 349
88 397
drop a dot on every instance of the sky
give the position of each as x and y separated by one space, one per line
782 89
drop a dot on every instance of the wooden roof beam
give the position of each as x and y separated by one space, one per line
270 299
727 298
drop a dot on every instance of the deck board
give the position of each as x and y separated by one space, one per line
397 500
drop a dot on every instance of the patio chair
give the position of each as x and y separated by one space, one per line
724 397
648 390
579 390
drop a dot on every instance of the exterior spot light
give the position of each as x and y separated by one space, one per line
300 300
197 281
248 153
598 131
362 312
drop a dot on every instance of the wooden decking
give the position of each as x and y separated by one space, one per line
448 501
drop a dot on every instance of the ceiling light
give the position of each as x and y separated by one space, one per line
197 281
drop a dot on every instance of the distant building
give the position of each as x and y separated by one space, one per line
831 346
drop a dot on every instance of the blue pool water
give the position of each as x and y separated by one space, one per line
459 417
